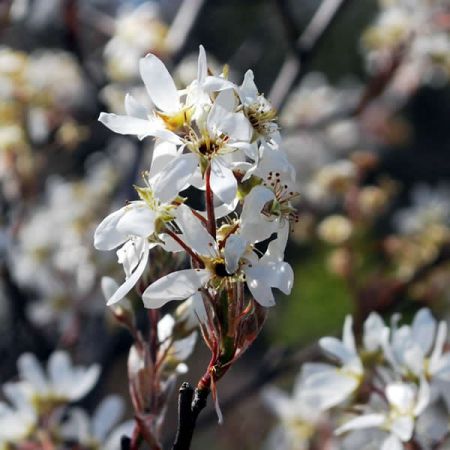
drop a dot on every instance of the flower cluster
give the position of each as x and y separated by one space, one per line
38 412
222 139
394 383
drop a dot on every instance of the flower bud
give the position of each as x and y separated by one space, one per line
335 229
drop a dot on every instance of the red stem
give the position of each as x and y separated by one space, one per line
187 249
209 200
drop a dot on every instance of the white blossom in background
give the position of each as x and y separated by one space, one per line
298 420
417 28
430 209
39 404
405 403
56 262
136 32
63 382
385 393
101 430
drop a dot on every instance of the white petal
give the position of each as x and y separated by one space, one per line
59 368
138 127
31 371
109 286
403 427
169 244
256 278
423 329
134 108
175 286
165 328
106 415
113 441
365 421
276 247
195 234
278 402
199 308
163 153
223 181
348 338
254 226
225 209
132 279
282 277
248 90
235 247
84 381
392 443
125 124
439 344
326 387
374 332
423 397
227 100
202 66
400 396
183 348
174 177
335 348
216 84
138 220
159 84
107 236
234 125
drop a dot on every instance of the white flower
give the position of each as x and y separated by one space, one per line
376 333
233 261
298 420
405 404
18 421
324 385
258 109
132 225
100 430
170 113
267 209
63 382
431 207
418 349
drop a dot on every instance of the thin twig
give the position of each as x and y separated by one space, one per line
182 25
375 89
209 200
301 50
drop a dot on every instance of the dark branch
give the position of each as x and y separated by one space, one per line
302 48
190 404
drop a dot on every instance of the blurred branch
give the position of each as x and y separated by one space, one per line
302 48
375 88
182 25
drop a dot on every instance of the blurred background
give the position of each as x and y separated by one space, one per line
363 107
